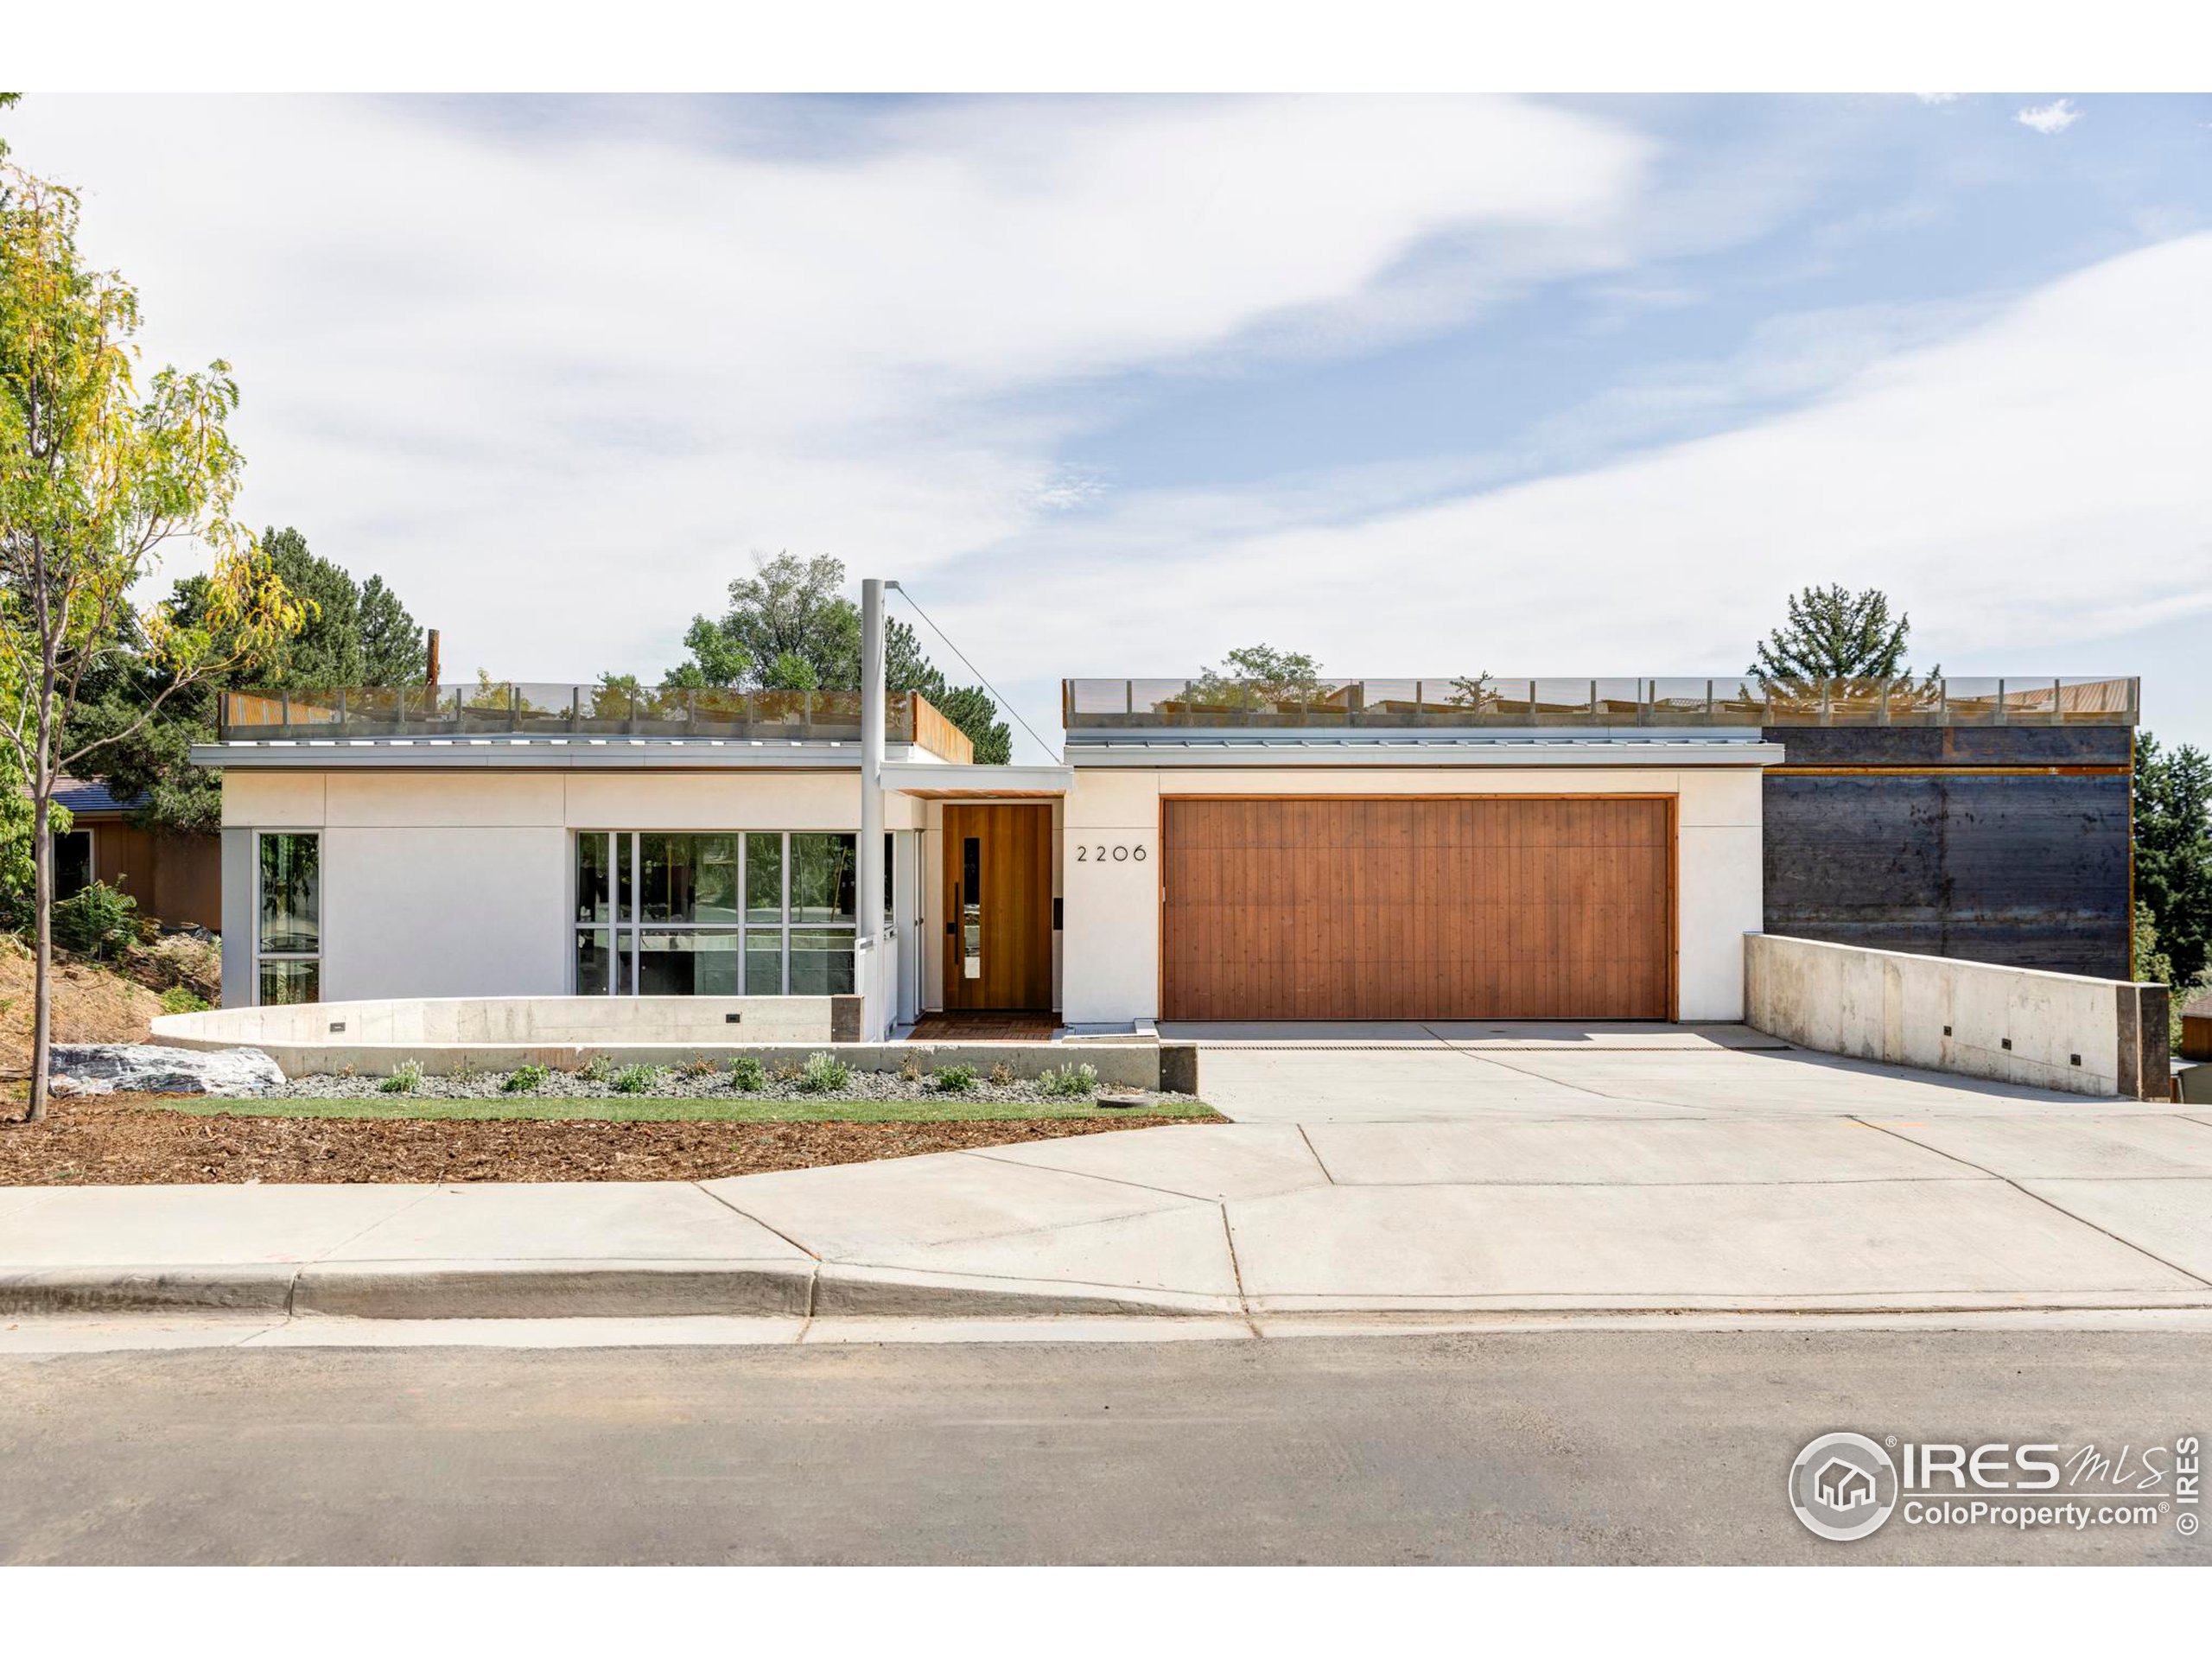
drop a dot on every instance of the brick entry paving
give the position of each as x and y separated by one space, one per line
984 1027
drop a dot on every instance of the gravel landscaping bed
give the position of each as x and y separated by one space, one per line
674 1083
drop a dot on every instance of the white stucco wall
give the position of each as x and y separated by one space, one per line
1110 971
456 884
1109 963
1720 888
449 910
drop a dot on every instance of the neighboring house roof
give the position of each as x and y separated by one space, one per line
81 796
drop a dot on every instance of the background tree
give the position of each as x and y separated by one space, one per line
1835 635
790 627
95 480
1269 673
355 634
2173 855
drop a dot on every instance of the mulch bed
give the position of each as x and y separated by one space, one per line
108 1142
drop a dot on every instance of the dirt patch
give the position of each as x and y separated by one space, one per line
177 961
116 1142
90 1005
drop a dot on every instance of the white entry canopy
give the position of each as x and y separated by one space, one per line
936 781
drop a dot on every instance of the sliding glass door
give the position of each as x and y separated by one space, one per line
752 913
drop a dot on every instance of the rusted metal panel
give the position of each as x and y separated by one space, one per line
2028 870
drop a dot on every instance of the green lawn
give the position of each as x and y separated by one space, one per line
647 1109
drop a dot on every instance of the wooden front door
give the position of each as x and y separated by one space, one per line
1349 908
998 894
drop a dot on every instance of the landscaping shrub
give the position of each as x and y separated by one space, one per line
748 1076
406 1077
1070 1081
636 1080
910 1072
698 1066
97 922
1001 1075
527 1079
182 998
824 1074
953 1079
598 1069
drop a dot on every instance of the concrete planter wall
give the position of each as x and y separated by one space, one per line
442 1021
2011 1025
445 1035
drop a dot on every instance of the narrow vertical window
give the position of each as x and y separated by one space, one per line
288 918
971 907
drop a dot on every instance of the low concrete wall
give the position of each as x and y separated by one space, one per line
441 1020
479 1034
2011 1025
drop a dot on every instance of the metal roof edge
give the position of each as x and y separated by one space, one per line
1612 752
542 753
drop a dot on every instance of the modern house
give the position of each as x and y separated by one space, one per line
1368 849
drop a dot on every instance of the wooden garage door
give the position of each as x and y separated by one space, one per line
1496 908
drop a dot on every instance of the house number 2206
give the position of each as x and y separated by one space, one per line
1101 852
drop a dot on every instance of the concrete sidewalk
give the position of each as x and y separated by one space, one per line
1820 1211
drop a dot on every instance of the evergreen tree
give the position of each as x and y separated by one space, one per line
2173 852
1832 634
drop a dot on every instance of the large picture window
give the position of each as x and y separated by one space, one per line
288 918
727 913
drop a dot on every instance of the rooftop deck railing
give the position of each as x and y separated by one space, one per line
1449 701
509 709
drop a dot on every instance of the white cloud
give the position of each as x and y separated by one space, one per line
2028 489
556 386
2049 119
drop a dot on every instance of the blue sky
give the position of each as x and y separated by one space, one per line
1565 386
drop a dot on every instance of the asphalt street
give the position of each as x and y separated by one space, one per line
1555 1447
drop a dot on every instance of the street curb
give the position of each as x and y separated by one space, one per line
843 1290
525 1290
800 1290
145 1290
535 1290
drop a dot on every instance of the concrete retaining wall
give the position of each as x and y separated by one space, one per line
442 1021
2013 1024
447 1036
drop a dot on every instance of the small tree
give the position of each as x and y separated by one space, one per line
1268 674
1835 635
95 481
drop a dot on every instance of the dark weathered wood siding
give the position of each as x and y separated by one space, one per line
2000 844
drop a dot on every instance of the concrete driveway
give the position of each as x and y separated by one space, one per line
1397 1072
1371 1170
